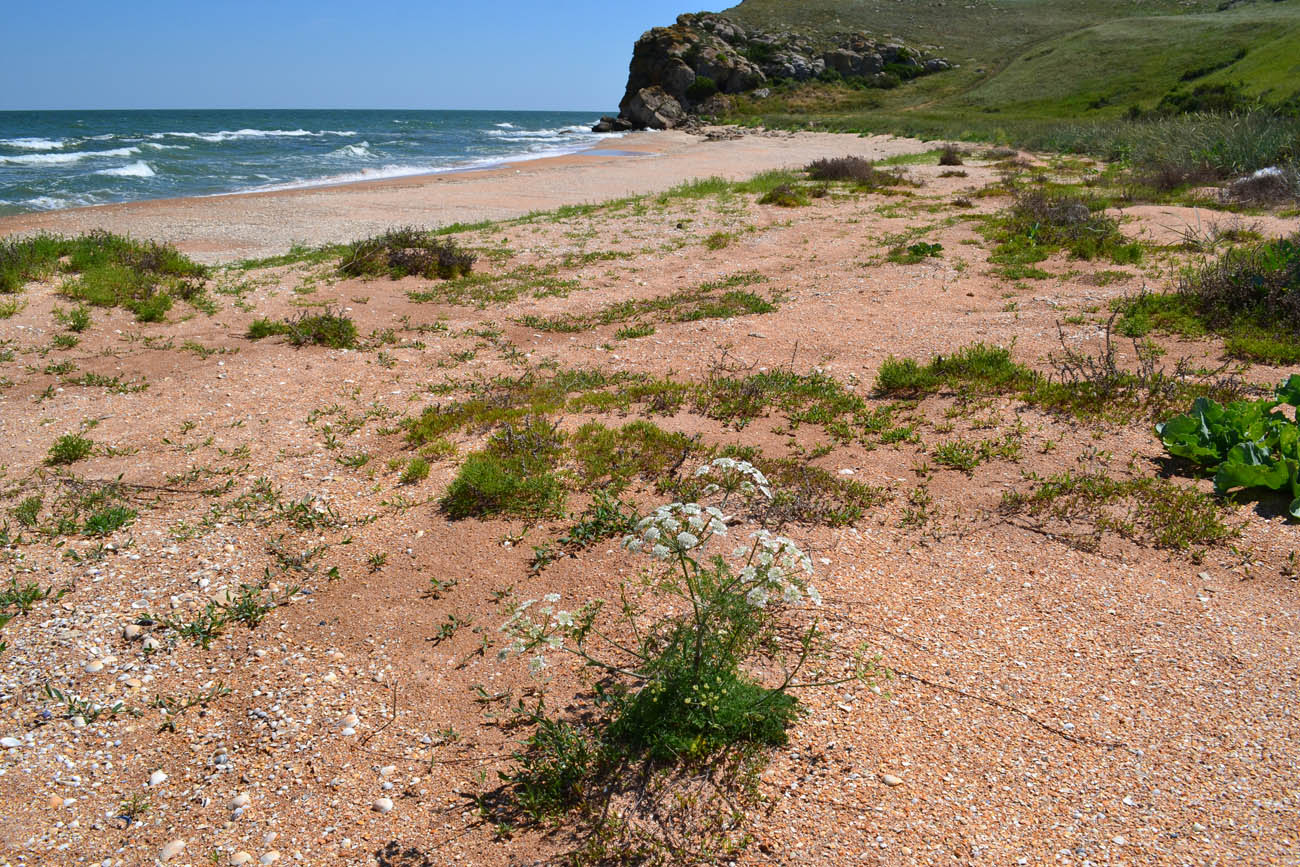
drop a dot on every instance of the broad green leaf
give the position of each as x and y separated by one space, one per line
1289 391
1249 465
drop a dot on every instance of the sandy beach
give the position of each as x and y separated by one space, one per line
1067 686
254 225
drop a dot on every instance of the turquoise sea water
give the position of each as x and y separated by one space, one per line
65 159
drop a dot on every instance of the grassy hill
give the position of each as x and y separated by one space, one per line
1027 65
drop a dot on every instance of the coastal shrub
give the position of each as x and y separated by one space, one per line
1263 280
321 329
784 196
68 449
950 155
851 168
1208 98
1268 186
701 88
407 251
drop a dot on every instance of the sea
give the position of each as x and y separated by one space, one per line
67 159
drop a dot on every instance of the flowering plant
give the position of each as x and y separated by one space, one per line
705 649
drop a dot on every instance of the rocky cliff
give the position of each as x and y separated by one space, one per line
690 68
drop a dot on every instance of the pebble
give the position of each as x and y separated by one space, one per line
240 800
132 631
383 805
171 850
269 858
157 778
152 643
1198 827
10 743
891 780
240 858
94 666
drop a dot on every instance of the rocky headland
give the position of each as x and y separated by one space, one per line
692 69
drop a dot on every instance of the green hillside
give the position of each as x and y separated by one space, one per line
1028 64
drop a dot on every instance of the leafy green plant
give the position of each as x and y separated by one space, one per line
1246 444
76 706
108 520
416 471
68 449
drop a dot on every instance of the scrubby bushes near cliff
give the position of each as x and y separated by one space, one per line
404 252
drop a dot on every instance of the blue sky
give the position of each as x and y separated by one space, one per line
499 54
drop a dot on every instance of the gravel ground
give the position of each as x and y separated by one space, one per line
1052 703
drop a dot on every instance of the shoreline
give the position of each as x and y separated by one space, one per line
232 226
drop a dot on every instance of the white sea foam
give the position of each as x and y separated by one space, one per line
162 147
65 159
34 144
138 169
396 171
232 135
54 203
358 151
505 125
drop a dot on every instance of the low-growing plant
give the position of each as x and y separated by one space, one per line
263 327
978 366
104 269
784 196
513 476
1081 507
417 470
1039 222
70 448
406 251
108 520
322 329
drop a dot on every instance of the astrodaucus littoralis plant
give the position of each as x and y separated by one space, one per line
702 655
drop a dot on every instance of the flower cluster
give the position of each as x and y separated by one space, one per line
775 566
730 476
675 529
538 628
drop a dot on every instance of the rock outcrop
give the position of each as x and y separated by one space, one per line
687 70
